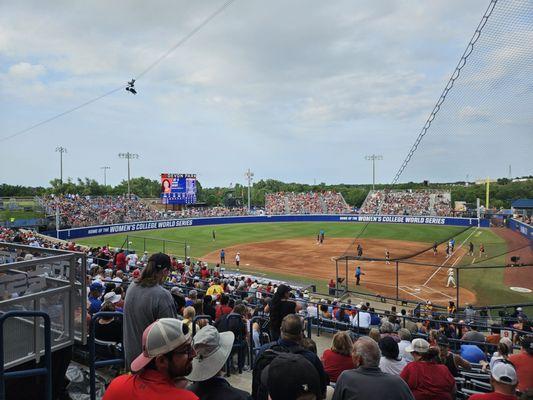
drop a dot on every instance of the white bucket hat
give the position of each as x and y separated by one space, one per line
212 350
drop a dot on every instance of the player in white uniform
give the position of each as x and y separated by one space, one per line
451 278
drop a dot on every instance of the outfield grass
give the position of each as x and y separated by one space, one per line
200 238
7 215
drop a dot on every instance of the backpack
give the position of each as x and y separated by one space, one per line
259 391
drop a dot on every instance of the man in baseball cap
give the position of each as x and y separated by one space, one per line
160 369
503 379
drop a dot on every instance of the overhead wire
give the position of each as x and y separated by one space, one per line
182 41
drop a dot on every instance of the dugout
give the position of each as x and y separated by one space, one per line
34 279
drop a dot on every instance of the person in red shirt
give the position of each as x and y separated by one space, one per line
121 260
223 307
160 369
331 286
503 379
523 363
339 357
427 379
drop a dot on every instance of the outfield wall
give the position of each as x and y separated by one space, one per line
524 229
76 233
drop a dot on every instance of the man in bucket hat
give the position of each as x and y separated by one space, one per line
212 350
166 357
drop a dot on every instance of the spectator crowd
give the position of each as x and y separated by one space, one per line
305 203
387 355
408 202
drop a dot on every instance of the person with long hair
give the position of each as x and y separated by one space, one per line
146 301
426 378
279 307
339 357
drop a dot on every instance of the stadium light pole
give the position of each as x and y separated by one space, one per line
105 168
373 158
61 150
128 156
249 175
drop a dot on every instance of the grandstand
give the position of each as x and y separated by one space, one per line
305 203
407 202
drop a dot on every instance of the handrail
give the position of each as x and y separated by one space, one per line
46 370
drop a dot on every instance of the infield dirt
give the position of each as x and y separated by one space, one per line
303 257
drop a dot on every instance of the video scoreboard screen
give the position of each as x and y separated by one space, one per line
178 188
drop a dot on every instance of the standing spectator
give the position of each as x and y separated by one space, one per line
523 363
279 307
120 260
367 381
426 378
339 357
331 287
390 361
167 356
132 259
213 349
503 379
222 257
146 301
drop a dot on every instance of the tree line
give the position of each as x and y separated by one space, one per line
502 193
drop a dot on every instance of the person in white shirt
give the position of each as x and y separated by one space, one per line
132 259
405 341
390 361
362 318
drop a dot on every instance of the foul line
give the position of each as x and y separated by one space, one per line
458 258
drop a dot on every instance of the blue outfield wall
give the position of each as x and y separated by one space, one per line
76 233
524 229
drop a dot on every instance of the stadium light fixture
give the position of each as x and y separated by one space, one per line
249 175
61 150
128 156
105 168
373 158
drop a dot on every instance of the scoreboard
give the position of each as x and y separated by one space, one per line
178 188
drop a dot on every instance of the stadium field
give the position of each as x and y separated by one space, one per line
288 251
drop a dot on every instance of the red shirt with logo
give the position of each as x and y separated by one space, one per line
492 396
148 385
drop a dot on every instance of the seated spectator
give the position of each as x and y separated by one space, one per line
188 319
451 360
309 344
494 337
291 376
339 357
472 353
374 335
179 300
504 348
523 363
95 294
212 350
405 341
390 361
290 339
159 370
362 318
472 335
208 308
367 381
223 308
503 379
426 378
108 329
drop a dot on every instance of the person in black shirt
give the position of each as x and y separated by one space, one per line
108 329
279 307
208 307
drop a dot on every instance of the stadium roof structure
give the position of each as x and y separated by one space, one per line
522 203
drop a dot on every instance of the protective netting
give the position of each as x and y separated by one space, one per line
484 125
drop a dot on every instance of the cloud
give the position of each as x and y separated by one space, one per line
25 71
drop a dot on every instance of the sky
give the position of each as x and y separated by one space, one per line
298 91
